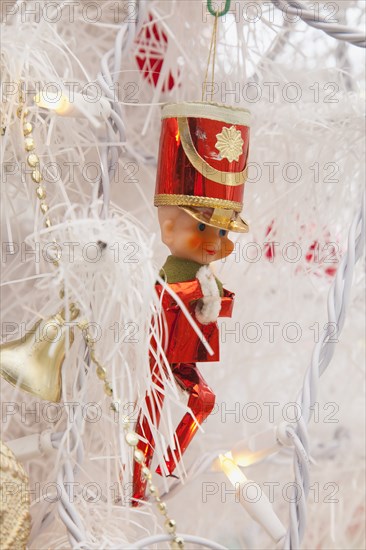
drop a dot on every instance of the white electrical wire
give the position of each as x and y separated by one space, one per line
66 476
338 301
143 543
297 8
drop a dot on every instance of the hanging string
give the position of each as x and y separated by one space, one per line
212 49
214 54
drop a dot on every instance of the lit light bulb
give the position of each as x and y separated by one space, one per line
79 105
252 498
53 101
232 471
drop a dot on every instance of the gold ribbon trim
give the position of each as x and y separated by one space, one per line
213 111
232 179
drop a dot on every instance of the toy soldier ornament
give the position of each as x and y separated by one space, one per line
201 173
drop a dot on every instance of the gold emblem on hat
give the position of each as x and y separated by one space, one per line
230 143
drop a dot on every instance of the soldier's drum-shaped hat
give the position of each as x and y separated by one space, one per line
202 166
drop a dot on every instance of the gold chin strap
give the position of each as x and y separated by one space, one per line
222 217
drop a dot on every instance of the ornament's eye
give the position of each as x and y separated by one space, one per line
222 232
201 226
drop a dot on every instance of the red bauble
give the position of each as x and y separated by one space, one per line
269 249
317 258
151 49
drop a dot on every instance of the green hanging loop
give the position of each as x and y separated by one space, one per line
218 13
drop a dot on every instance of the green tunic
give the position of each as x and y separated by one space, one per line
178 270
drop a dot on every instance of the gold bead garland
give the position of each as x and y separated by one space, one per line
131 437
132 440
32 158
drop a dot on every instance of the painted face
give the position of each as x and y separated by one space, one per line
188 238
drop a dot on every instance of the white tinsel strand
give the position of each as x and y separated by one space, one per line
108 80
109 160
79 279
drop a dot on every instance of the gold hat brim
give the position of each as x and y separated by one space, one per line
235 224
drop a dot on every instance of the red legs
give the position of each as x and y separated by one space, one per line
201 402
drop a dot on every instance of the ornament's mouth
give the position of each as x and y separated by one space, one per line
209 251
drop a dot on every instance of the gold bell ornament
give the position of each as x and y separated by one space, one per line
34 361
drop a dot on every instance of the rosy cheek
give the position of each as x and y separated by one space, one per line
229 246
194 242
